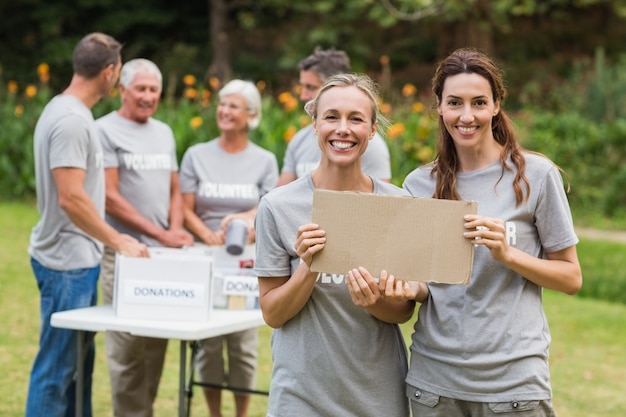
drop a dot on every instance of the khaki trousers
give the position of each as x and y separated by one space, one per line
135 363
241 353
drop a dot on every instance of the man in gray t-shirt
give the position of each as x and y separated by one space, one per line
303 153
66 244
144 200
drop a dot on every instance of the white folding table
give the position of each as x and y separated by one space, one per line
103 318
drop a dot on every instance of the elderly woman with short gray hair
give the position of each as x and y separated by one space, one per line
221 180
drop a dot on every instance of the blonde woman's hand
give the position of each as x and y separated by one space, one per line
363 287
309 240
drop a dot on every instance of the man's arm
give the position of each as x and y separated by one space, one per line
177 216
120 209
286 178
83 213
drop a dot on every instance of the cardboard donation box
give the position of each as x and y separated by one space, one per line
235 285
173 284
418 239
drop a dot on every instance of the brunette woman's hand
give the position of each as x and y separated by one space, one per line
399 290
489 232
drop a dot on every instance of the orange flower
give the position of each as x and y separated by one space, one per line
196 122
284 97
190 93
409 90
43 67
291 130
189 80
288 101
417 107
385 108
395 130
260 85
19 110
205 98
43 71
291 104
384 60
30 91
214 82
12 86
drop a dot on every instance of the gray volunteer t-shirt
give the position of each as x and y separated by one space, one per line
226 183
65 137
303 155
333 358
145 156
488 341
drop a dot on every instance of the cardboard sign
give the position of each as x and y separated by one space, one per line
417 239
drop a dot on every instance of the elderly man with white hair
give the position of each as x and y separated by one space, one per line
143 199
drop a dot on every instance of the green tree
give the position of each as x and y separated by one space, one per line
35 31
264 39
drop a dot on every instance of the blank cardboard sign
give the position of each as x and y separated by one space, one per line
417 239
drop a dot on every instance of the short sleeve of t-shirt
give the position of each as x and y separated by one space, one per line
375 161
187 177
108 150
69 143
553 216
272 248
290 160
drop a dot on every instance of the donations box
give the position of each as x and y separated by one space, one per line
235 285
173 284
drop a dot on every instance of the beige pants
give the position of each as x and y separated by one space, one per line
241 349
135 363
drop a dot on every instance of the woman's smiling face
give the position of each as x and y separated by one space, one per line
232 114
467 109
344 124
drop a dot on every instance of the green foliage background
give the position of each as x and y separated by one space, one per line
536 38
566 72
583 130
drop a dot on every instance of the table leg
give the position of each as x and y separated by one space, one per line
80 372
182 383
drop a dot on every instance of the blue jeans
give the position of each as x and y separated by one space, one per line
51 391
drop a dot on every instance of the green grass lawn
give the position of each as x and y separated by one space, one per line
588 353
